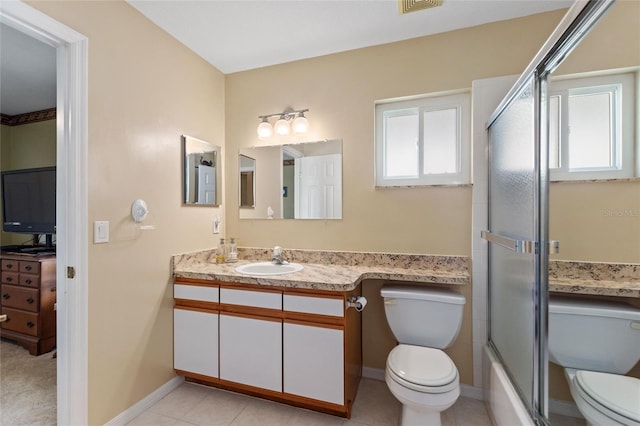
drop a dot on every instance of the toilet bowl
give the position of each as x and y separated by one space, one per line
605 398
581 335
418 373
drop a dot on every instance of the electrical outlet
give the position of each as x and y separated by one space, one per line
216 225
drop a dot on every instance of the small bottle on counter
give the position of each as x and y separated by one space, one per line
221 251
232 255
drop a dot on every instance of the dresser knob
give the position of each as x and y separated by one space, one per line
9 279
9 266
28 281
28 267
30 324
30 300
6 296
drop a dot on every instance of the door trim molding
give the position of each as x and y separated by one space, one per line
71 199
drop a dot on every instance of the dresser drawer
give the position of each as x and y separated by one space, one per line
29 267
30 280
195 292
10 265
23 298
10 277
20 321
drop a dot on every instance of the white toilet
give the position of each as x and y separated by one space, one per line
597 342
419 374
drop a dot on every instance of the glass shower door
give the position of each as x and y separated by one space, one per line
514 235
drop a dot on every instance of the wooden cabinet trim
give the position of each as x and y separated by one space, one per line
313 324
196 309
314 318
196 281
262 314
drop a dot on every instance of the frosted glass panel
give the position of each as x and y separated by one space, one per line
590 138
440 141
401 150
511 214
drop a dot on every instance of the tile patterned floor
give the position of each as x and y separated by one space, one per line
192 404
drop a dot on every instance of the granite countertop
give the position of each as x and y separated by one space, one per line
595 278
326 270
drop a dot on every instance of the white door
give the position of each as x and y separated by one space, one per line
318 192
314 362
206 184
195 342
251 351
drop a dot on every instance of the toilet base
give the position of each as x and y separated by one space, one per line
418 408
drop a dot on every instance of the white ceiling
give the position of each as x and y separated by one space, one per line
238 35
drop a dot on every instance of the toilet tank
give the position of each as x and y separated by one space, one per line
593 335
423 316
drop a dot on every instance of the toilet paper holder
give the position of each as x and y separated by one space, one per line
357 302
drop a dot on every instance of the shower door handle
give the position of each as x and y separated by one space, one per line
519 246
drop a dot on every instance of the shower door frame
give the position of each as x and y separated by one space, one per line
576 23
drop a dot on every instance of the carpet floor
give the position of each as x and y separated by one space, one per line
27 386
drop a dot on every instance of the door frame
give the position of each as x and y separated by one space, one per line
71 200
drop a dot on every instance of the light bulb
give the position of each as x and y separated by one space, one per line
301 124
265 130
282 127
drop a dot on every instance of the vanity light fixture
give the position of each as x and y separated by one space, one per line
283 126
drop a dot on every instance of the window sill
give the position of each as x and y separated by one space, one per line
632 179
438 185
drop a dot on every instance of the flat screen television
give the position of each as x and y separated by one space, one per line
29 201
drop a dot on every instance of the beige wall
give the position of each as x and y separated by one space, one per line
340 91
145 90
23 147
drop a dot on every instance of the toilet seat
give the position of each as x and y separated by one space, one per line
422 369
613 395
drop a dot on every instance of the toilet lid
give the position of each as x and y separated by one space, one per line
422 366
620 394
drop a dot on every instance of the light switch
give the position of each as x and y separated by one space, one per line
100 231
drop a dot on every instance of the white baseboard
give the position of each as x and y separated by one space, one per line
144 404
564 408
465 390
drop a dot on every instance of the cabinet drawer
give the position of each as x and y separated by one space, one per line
21 321
10 265
313 305
195 292
26 299
30 280
29 267
10 277
255 299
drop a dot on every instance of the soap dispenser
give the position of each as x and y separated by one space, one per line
233 251
221 252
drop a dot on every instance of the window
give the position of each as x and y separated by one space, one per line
591 134
423 141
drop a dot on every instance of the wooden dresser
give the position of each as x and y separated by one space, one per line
28 296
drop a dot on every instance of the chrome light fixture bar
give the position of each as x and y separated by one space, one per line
283 126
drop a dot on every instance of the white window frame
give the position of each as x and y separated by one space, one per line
622 87
461 101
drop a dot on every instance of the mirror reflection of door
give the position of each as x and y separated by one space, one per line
318 189
201 172
247 181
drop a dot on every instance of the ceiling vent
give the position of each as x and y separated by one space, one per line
406 6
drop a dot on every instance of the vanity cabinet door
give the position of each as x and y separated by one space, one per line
195 341
314 361
251 351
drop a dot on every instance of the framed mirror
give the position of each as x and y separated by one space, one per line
294 181
247 181
201 172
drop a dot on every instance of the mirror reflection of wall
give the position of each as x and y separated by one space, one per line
247 181
201 172
297 181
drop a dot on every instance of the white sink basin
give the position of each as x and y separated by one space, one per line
268 268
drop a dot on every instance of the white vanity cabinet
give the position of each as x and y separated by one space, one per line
195 329
298 346
251 338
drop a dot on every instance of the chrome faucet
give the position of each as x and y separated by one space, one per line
276 257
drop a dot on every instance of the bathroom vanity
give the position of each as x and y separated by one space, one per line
293 338
298 346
